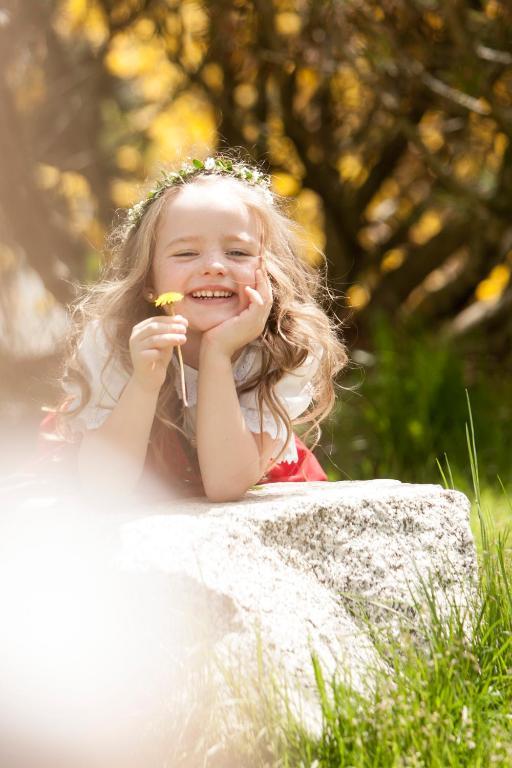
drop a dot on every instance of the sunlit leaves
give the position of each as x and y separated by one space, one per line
186 127
213 76
308 211
358 296
74 189
288 23
426 228
82 19
392 259
431 131
245 95
124 192
493 286
128 158
351 169
285 184
48 176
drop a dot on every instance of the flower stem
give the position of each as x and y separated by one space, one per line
182 372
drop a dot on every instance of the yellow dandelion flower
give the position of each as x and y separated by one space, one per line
171 297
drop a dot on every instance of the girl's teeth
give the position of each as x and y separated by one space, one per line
210 296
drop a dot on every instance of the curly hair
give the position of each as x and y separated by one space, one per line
297 324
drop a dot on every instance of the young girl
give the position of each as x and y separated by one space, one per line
259 352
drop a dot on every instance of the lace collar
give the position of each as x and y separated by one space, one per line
241 370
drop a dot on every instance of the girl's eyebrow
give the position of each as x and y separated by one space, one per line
240 238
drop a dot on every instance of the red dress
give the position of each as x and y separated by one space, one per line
182 472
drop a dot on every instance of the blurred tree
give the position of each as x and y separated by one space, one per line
387 124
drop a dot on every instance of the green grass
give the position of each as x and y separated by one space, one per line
403 408
447 702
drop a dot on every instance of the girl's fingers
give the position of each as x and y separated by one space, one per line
164 340
254 295
157 329
263 284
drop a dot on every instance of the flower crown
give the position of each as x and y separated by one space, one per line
212 165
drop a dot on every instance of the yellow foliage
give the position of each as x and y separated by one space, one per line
493 9
144 29
358 296
500 144
388 190
434 20
81 205
347 89
130 56
213 76
128 158
95 234
484 105
285 184
307 78
48 176
250 132
195 18
308 81
426 228
188 126
466 167
245 95
351 169
83 18
483 130
365 238
431 132
74 185
193 53
502 88
288 23
283 151
309 214
161 83
493 286
124 193
392 259
142 118
172 23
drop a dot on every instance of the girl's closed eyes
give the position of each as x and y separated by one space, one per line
230 253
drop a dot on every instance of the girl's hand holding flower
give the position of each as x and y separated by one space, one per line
235 333
151 346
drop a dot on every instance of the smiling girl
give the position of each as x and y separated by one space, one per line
260 353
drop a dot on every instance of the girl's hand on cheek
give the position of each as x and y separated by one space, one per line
151 346
238 331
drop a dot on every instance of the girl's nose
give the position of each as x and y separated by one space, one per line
214 262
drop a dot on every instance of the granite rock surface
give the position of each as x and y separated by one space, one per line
143 595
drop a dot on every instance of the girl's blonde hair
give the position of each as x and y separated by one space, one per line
297 324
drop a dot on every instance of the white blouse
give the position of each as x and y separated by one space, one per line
294 390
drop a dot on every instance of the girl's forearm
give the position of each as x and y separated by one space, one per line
227 451
111 458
